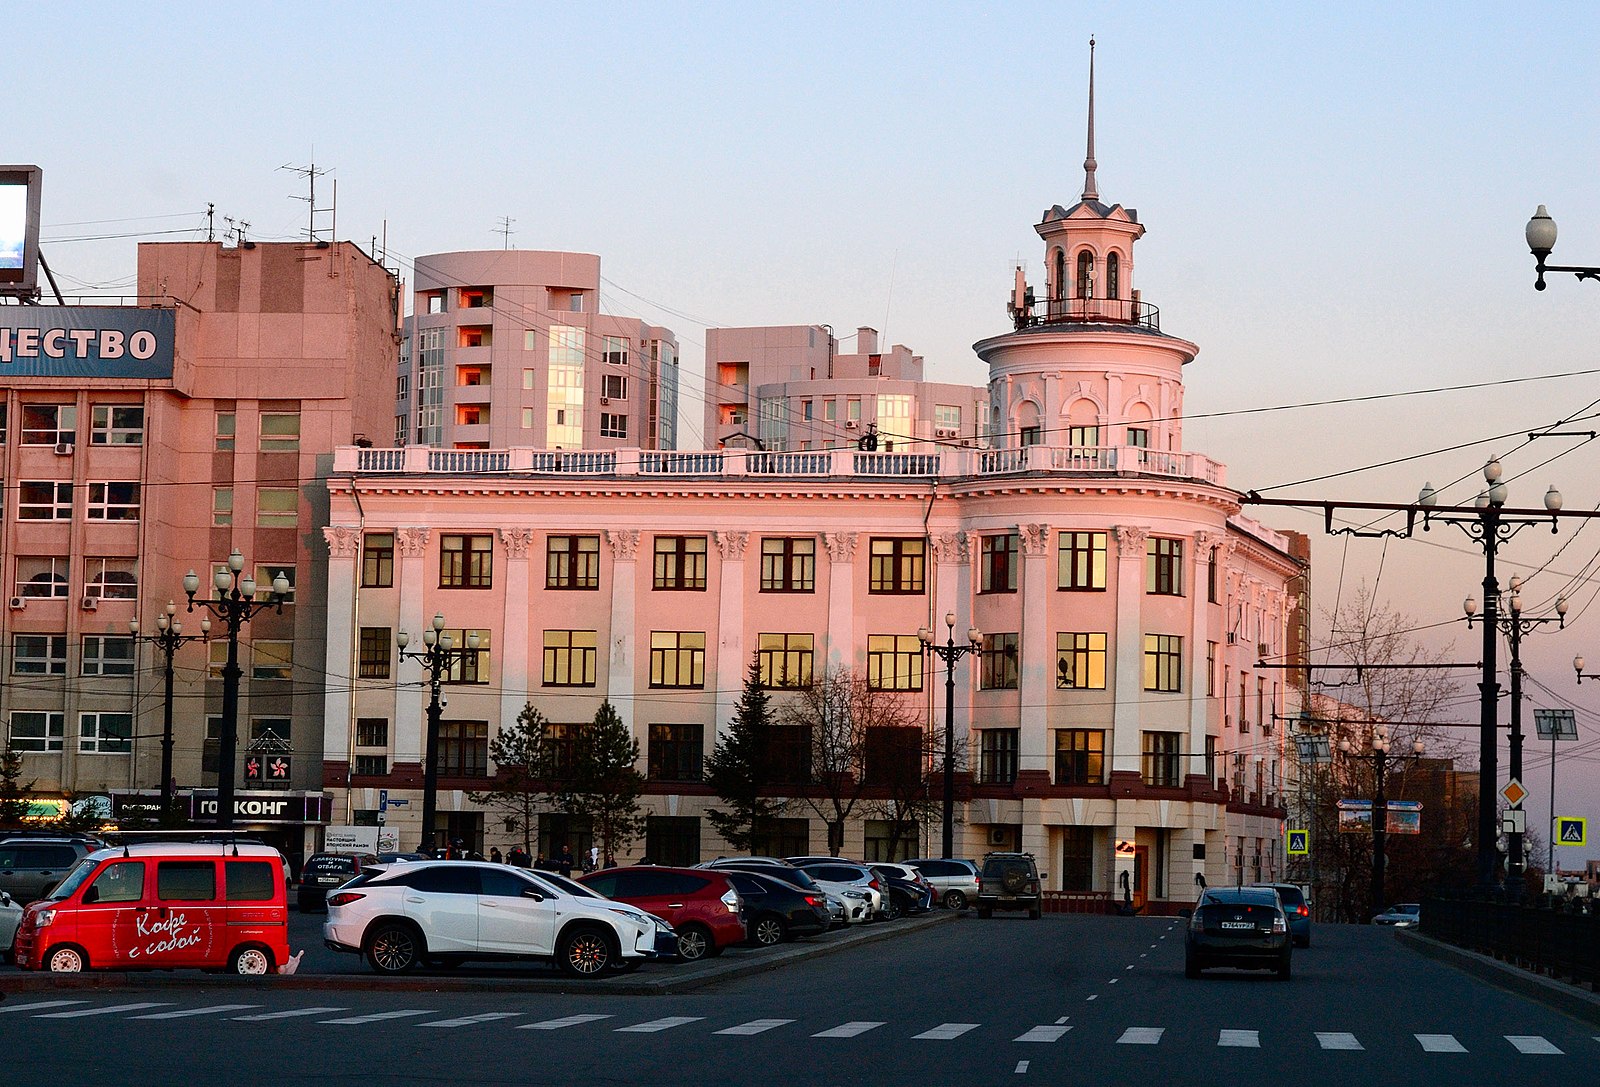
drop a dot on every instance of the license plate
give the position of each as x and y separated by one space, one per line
1238 925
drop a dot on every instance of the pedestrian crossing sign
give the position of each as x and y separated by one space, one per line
1571 830
1299 843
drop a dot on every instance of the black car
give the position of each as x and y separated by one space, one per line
1297 909
322 872
1010 882
776 909
1243 927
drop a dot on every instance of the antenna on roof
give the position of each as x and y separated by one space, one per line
311 173
505 231
1091 191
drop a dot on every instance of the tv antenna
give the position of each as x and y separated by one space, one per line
311 173
505 231
237 228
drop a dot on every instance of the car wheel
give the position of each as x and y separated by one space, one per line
1191 966
984 913
955 900
1284 967
585 952
249 960
393 947
67 959
769 930
694 942
892 912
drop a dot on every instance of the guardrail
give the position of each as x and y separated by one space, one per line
1554 936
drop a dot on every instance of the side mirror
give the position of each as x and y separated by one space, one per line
91 896
5 898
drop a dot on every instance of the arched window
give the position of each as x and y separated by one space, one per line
1113 276
1085 274
1058 285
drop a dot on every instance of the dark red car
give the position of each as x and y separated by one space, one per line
701 905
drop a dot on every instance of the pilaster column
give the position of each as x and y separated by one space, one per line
732 658
411 576
1200 628
622 654
1129 688
344 552
517 646
1037 676
840 642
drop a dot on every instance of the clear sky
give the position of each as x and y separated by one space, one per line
1335 198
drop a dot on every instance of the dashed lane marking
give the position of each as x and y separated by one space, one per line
215 1009
376 1017
756 1026
1096 996
1022 1066
563 1022
35 1005
1337 1039
1141 1036
1063 1019
848 1030
469 1020
655 1026
111 1010
1532 1043
285 1015
1043 1034
1240 1039
1440 1043
945 1031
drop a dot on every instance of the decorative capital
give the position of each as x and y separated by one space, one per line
1034 538
516 541
344 542
412 541
732 543
841 545
1205 541
624 542
1131 540
952 547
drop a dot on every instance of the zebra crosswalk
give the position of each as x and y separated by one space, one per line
154 1012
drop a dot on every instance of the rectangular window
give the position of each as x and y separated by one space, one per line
569 658
1083 436
1081 562
896 566
676 752
216 657
1163 759
1077 859
1030 435
999 563
272 660
528 418
786 659
998 664
280 432
1163 566
613 425
680 563
788 564
118 501
42 578
375 653
1163 662
572 562
1211 669
947 416
470 665
997 756
614 386
673 840
377 560
677 659
466 562
44 500
277 507
892 756
110 579
227 423
1244 722
105 733
371 765
616 347
789 754
116 424
32 730
1261 704
1080 756
894 662
372 732
1139 437
107 655
464 749
39 655
49 424
1211 577
1081 661
561 741
221 507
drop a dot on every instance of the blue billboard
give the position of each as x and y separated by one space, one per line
86 342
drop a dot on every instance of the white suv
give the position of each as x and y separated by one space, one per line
444 912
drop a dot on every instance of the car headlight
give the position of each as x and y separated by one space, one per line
43 918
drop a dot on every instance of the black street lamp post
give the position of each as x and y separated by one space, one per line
1381 760
233 606
950 652
168 638
1513 624
1541 235
437 659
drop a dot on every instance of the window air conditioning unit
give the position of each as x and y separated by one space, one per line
18 603
851 424
999 836
90 603
1238 761
1263 649
1232 638
63 449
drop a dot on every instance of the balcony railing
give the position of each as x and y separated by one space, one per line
1091 311
935 463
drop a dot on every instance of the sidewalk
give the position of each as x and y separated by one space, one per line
1551 992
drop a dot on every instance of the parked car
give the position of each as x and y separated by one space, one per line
777 910
10 919
700 904
861 890
323 872
30 866
1010 882
1401 915
909 891
955 881
446 912
1243 927
1298 910
162 906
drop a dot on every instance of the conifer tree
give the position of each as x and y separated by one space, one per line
738 768
605 784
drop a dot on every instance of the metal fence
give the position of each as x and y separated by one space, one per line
1554 936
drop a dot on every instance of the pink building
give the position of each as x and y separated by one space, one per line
508 347
1117 722
143 441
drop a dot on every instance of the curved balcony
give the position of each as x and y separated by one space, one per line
1089 311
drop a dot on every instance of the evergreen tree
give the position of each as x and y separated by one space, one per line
13 793
521 760
738 768
605 783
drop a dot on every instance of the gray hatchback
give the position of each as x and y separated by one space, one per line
30 867
955 882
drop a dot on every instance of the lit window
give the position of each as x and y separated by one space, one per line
894 662
677 659
786 659
1163 662
273 660
569 658
1080 661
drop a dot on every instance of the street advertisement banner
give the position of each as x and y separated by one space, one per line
86 342
1405 817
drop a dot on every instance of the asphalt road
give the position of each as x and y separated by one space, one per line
1065 1000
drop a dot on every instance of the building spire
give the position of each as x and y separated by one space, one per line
1090 190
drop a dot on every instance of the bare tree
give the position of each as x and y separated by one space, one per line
904 778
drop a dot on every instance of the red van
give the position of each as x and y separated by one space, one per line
162 906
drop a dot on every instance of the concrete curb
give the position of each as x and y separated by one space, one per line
673 980
1560 995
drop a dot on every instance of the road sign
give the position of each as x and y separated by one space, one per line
1513 821
1571 830
1555 724
383 799
1514 793
1299 843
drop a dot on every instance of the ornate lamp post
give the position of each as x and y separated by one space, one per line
168 638
234 605
1513 624
1380 758
1541 235
950 652
436 658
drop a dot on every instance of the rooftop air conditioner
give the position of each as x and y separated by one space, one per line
63 449
18 603
90 603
